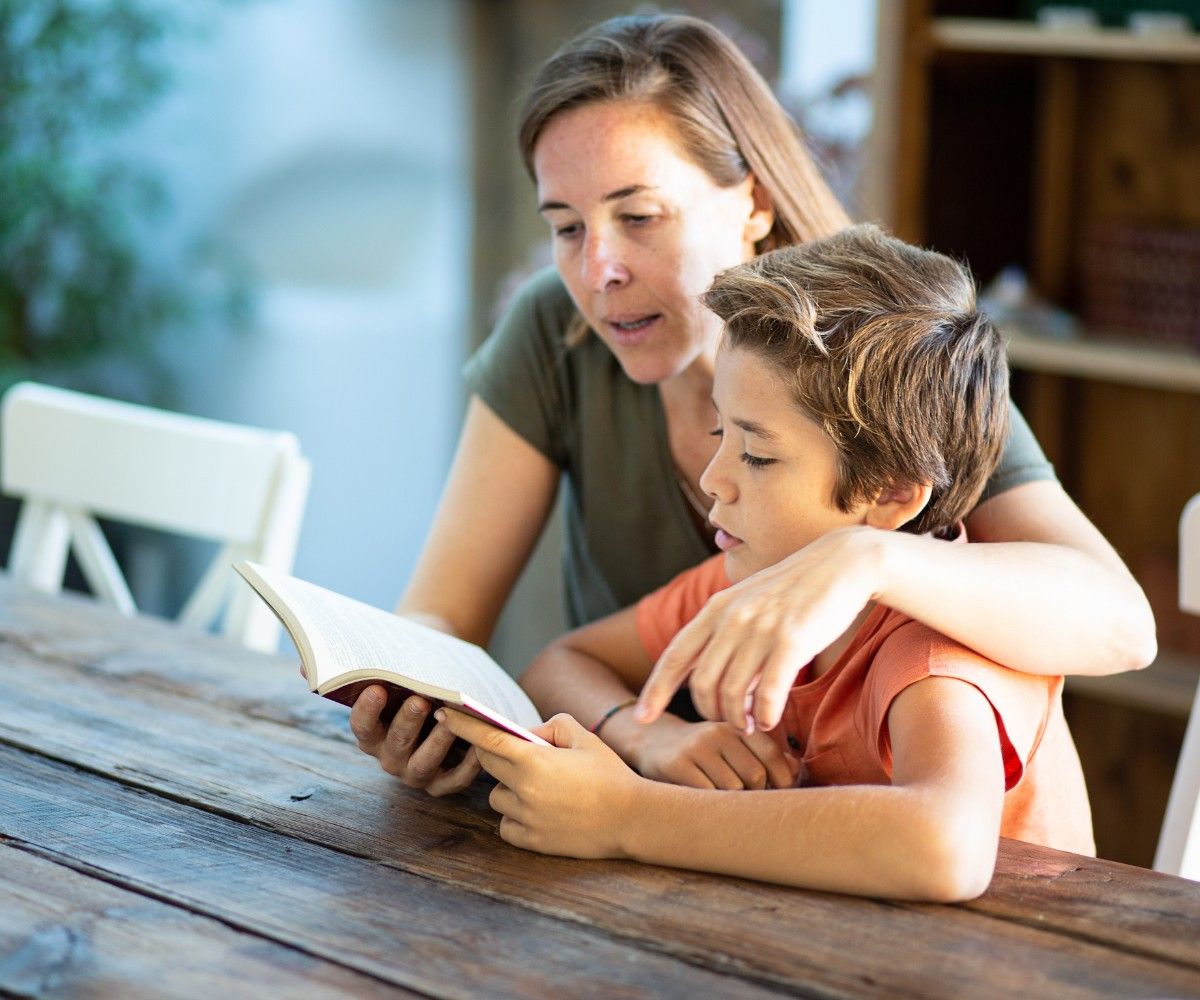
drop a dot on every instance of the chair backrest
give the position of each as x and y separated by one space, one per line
1179 843
72 457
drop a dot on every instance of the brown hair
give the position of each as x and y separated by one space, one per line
880 342
728 120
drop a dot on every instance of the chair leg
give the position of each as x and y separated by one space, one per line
38 557
1179 843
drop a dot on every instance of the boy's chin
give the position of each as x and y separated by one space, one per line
740 564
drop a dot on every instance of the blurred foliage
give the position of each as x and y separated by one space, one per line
80 282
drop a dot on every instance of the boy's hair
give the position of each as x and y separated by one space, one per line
881 344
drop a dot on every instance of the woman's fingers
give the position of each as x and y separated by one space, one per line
672 668
365 721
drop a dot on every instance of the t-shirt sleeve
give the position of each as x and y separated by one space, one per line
1022 460
520 371
661 614
1020 702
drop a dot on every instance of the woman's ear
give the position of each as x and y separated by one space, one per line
898 504
762 212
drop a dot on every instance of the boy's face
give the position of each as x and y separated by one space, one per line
774 472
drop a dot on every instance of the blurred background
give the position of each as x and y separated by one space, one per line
304 214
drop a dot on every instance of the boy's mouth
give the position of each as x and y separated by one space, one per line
725 541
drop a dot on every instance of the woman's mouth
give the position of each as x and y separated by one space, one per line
632 331
725 541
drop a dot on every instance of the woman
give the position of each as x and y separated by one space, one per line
660 157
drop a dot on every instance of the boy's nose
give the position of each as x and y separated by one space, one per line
715 483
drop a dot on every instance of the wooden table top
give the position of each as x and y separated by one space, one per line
179 817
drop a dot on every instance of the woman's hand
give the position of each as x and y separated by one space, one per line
742 653
569 799
400 748
710 755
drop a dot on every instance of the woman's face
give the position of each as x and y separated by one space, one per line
639 231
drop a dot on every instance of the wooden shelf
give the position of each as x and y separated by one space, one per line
1167 686
1122 362
970 34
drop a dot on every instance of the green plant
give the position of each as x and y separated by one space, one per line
79 282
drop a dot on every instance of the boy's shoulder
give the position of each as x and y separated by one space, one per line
903 651
661 614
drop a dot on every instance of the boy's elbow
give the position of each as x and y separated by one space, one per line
957 865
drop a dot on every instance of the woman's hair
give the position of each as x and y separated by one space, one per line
728 120
881 344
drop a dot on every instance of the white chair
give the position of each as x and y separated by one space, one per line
1179 843
72 456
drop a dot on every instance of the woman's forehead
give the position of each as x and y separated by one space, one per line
616 143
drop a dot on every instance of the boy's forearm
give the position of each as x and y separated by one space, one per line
872 840
563 679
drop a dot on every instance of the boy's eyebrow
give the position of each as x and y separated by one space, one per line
617 195
750 427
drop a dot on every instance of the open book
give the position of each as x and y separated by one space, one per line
345 645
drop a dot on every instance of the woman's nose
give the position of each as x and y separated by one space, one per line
602 265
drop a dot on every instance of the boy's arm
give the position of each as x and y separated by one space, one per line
931 835
595 668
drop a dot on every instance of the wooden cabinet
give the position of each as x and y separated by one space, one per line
1002 142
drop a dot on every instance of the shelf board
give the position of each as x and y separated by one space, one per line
971 34
1167 686
1123 362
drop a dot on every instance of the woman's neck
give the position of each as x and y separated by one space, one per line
690 418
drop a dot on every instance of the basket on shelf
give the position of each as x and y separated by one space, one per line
1142 281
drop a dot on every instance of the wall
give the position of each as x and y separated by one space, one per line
325 143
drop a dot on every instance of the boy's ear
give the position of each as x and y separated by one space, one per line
898 504
762 214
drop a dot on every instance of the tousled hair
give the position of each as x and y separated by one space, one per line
881 343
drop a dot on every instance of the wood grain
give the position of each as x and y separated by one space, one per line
399 928
239 735
63 933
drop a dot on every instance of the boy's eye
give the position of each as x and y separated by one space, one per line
637 220
717 433
755 462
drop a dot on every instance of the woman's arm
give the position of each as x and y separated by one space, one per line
1046 594
930 835
493 509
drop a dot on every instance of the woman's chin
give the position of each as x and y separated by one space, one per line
645 368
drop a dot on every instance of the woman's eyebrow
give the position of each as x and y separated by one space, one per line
625 192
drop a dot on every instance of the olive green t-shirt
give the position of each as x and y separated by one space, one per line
628 528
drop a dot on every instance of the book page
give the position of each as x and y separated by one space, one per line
347 635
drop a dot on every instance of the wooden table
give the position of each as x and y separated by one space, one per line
182 818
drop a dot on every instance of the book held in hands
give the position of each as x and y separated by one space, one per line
346 645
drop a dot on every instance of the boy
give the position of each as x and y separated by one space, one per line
856 389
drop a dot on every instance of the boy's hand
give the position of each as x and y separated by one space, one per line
567 799
399 747
711 755
745 648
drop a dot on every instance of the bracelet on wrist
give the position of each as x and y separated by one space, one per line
595 730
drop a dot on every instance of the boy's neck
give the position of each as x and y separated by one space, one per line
825 659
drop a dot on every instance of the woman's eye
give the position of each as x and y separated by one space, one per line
717 433
755 462
637 220
565 232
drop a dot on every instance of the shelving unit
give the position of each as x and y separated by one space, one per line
972 34
1007 142
1123 362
